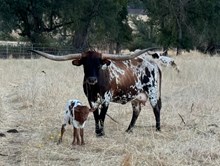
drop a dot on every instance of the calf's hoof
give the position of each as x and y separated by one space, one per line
59 141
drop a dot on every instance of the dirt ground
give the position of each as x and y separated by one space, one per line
32 99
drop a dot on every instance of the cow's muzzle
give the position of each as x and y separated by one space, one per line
92 80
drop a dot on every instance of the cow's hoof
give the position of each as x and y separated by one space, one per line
100 133
129 131
158 129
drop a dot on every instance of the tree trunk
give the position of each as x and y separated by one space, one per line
111 48
118 48
80 39
180 32
179 44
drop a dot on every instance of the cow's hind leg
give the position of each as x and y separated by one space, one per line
136 106
154 94
157 109
156 105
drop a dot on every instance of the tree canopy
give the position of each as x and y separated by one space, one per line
185 24
181 24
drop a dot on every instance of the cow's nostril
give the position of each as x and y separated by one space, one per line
92 80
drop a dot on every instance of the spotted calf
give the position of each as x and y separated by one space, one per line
75 114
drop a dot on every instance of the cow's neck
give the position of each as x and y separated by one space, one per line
91 91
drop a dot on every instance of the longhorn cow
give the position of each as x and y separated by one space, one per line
117 78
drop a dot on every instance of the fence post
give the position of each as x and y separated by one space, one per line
7 50
32 47
20 51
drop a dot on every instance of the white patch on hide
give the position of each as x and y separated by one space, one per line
104 67
77 125
107 98
116 72
67 113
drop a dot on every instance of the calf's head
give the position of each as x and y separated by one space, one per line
81 113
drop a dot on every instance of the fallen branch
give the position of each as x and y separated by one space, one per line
112 118
182 119
192 107
2 135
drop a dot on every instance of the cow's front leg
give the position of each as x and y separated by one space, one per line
104 109
136 106
96 117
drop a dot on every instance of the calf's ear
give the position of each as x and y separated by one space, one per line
77 62
76 109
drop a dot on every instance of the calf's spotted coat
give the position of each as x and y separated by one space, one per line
75 114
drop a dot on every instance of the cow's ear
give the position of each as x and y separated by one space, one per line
76 109
165 53
106 62
77 62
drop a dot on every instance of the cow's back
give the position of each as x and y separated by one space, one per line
129 78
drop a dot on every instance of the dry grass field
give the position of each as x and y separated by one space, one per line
32 102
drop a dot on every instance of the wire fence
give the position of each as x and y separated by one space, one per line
19 50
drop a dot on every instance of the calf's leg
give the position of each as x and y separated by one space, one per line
76 139
61 133
82 136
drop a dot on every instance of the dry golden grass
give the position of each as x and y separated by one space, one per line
32 102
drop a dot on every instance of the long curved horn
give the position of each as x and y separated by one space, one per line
149 53
58 58
125 57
